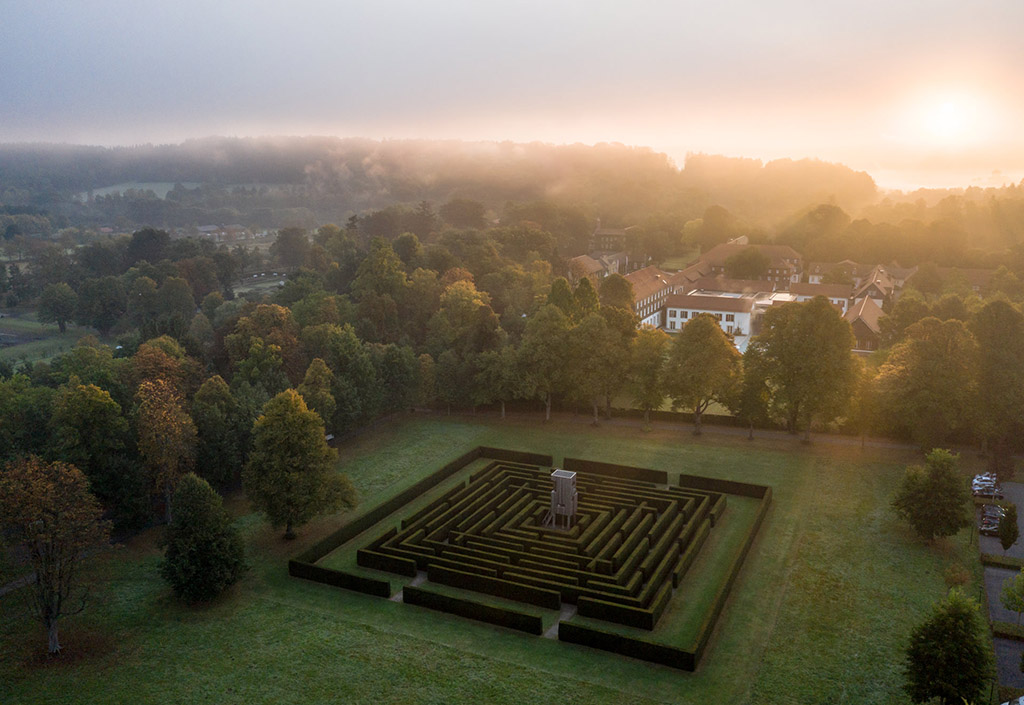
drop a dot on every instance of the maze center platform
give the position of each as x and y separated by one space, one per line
630 544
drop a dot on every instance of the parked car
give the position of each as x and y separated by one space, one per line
989 527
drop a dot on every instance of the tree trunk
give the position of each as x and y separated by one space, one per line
607 406
53 646
807 432
289 534
502 409
596 423
167 503
697 413
62 325
547 408
647 417
750 436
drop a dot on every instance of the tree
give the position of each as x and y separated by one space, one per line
752 397
498 377
291 247
221 436
947 657
101 303
463 213
1012 594
596 361
585 299
999 330
542 354
204 553
561 296
49 516
927 384
649 353
749 263
290 475
316 390
1008 530
702 367
805 350
616 292
57 304
167 436
934 498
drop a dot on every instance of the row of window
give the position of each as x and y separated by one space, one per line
686 314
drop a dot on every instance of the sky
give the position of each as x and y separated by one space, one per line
916 93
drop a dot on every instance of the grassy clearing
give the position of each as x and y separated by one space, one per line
33 340
820 612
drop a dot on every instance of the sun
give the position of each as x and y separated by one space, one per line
948 121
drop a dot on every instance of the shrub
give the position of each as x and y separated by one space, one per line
204 552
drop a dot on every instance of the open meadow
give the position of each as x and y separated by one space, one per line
820 612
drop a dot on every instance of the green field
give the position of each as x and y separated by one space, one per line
820 612
24 338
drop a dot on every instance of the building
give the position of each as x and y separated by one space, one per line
878 286
837 294
784 263
597 267
612 239
863 317
734 314
651 287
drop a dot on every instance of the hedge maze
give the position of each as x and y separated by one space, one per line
631 544
634 538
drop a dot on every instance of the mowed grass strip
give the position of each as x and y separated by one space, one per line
820 613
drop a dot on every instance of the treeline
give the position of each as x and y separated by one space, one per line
266 182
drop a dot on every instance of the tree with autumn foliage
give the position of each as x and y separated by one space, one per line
167 436
290 475
52 522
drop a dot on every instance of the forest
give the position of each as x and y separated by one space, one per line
466 301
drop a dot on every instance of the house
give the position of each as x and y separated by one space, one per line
734 313
863 317
784 263
878 285
837 294
612 239
846 269
597 267
722 284
651 287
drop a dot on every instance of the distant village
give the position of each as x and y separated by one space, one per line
668 299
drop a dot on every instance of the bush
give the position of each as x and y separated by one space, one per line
204 552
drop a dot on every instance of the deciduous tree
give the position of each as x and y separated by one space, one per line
1012 594
927 384
648 358
49 516
167 436
290 475
933 498
542 354
805 349
703 366
57 304
1008 529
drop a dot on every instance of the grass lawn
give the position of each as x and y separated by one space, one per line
33 340
820 612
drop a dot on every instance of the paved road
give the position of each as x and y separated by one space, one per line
1008 651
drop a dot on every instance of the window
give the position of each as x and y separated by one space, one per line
671 313
684 314
730 317
718 316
